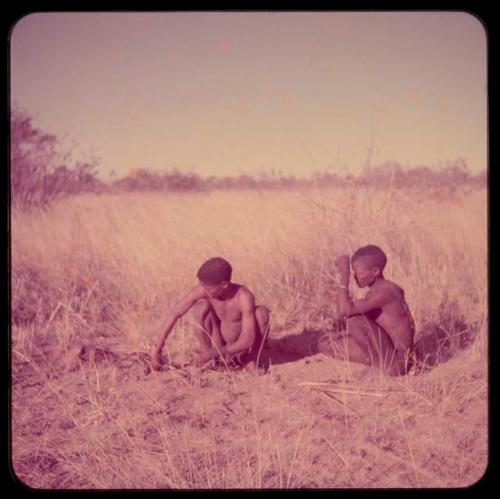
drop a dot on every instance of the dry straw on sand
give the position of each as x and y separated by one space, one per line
103 270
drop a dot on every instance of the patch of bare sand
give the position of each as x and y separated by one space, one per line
309 422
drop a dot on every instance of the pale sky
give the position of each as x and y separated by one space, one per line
221 93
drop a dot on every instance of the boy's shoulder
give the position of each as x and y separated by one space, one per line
243 291
389 287
197 292
244 297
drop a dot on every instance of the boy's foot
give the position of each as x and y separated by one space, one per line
251 367
369 374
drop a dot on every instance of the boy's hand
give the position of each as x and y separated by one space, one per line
204 357
343 266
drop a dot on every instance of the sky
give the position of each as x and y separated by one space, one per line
231 93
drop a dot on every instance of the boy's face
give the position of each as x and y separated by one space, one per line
364 273
215 290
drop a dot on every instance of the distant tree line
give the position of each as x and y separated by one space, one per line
382 176
40 174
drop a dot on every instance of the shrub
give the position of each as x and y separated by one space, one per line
39 174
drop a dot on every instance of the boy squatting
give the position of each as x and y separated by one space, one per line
228 324
379 328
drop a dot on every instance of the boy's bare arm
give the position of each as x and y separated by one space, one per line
343 300
373 300
346 307
179 309
248 325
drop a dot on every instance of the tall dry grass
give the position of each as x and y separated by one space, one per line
107 268
116 263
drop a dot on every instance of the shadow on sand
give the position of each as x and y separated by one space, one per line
291 348
435 345
438 343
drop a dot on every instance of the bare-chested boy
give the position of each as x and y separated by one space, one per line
228 324
379 328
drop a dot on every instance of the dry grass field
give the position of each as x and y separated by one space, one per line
93 277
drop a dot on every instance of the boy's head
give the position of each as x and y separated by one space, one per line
368 264
215 276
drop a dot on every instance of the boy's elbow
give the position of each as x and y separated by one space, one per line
177 312
171 318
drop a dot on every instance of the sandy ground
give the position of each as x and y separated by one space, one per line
309 422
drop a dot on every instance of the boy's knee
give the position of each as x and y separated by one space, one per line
398 370
356 321
361 327
327 345
262 315
322 345
401 366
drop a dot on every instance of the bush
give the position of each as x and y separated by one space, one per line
38 173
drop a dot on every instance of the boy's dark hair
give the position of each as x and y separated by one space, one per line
214 271
375 256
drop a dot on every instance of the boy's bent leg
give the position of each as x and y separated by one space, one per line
401 364
207 326
344 347
201 328
379 344
251 358
262 316
363 341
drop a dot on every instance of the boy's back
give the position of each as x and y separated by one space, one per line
393 315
